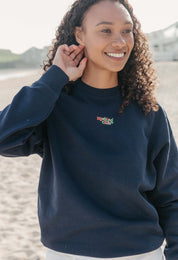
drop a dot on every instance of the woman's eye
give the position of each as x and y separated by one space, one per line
128 31
106 30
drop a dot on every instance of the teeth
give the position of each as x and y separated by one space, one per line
116 55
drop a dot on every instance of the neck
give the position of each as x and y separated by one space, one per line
100 79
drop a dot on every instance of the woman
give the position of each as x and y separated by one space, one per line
109 178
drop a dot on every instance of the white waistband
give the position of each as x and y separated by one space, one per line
153 255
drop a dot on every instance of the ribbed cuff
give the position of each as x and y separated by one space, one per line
55 78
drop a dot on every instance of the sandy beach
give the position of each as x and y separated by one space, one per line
19 228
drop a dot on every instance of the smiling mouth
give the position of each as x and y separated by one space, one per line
115 55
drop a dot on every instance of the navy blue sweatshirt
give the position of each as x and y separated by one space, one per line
109 183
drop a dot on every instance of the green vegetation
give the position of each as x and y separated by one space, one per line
7 56
31 58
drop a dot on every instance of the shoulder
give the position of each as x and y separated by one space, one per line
155 122
160 132
158 119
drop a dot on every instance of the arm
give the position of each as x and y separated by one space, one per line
21 123
165 194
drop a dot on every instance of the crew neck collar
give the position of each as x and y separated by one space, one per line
85 88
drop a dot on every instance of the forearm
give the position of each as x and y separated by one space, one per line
29 109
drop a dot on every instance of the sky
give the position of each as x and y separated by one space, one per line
27 23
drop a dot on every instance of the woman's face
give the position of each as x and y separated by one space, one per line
107 34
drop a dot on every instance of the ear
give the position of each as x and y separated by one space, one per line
79 35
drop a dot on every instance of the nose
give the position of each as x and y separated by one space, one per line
118 41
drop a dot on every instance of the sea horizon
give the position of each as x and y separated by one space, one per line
15 73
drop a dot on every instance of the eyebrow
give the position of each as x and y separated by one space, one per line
110 23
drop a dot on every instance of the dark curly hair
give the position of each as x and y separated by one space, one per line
138 79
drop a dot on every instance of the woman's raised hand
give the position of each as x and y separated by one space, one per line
69 59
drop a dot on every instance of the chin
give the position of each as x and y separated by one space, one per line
117 69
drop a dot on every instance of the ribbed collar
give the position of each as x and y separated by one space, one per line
87 89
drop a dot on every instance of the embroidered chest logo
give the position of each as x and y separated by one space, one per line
105 120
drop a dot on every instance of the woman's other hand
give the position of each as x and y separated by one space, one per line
69 59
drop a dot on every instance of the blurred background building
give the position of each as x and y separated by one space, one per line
164 43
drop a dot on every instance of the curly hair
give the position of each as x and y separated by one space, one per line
138 79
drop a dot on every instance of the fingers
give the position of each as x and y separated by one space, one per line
78 58
75 50
71 49
63 48
82 65
69 59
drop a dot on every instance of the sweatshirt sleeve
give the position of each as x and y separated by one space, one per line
21 123
165 194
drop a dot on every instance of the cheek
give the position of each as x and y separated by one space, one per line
131 42
93 49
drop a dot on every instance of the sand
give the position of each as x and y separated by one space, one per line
19 228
